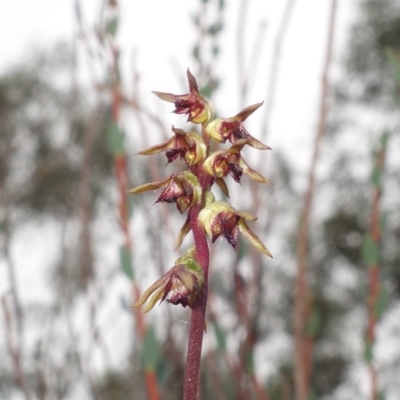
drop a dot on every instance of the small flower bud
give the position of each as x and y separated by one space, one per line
221 219
198 110
182 284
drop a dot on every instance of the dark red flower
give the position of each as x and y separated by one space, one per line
224 162
182 283
232 129
189 146
192 104
183 189
221 219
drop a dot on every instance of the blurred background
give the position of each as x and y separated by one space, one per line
321 320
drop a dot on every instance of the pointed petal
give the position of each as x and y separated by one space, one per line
158 148
154 287
253 238
246 215
242 116
183 232
192 82
239 144
153 300
221 183
150 186
253 142
253 174
171 98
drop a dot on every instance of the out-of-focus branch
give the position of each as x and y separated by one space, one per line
14 351
106 32
7 197
241 27
211 360
234 366
302 301
371 246
257 280
274 72
85 212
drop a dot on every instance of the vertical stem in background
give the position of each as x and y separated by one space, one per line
273 75
251 314
302 301
240 51
371 256
122 182
14 352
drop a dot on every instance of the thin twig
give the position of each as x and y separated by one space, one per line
14 352
302 302
240 51
274 73
375 235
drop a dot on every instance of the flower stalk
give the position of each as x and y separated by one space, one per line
186 283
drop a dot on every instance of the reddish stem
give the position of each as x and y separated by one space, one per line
197 323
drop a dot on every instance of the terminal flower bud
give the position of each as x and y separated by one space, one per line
232 129
221 219
224 162
183 189
189 146
192 104
181 284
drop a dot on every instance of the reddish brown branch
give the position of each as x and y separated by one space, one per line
198 318
197 322
374 271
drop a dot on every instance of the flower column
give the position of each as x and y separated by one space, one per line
186 283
